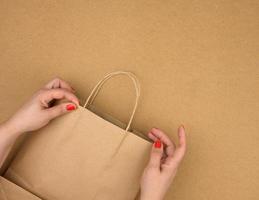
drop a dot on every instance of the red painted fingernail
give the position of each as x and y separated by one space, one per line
157 144
70 107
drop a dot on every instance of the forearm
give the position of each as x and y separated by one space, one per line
8 136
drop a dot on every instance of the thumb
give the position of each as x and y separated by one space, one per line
60 109
156 154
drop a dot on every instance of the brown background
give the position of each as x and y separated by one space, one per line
197 62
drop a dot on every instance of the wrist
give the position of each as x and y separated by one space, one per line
150 197
144 198
10 128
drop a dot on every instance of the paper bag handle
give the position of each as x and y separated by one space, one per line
99 85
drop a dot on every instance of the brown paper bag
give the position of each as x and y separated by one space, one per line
10 191
82 156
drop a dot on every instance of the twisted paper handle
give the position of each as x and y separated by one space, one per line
99 85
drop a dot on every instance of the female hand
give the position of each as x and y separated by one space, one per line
164 160
37 112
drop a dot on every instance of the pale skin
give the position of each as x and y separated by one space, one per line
38 111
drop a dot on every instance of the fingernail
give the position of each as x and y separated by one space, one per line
157 144
155 127
181 132
182 126
70 107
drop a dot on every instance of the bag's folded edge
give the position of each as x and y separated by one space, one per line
116 122
7 189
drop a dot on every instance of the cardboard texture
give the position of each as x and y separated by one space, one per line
197 62
81 155
10 191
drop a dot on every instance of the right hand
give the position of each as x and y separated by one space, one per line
38 111
164 160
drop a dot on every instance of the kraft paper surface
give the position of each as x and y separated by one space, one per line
10 191
197 62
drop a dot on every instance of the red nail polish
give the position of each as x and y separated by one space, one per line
70 107
157 144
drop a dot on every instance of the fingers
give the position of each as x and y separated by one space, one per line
174 154
181 148
60 109
156 154
48 95
155 134
59 83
